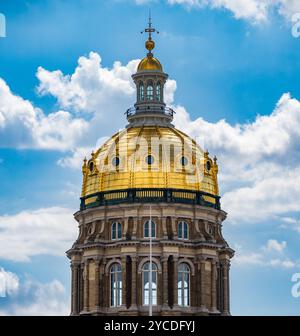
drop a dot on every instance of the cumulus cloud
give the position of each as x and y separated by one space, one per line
23 125
92 88
266 256
88 100
259 161
45 231
253 10
9 283
75 158
274 245
39 299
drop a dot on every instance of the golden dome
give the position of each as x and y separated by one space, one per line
150 63
150 157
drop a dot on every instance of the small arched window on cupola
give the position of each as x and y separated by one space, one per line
158 91
141 91
150 91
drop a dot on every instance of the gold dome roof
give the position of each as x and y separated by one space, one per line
150 63
150 157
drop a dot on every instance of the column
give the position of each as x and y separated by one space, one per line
175 281
164 227
75 292
225 266
86 287
174 228
125 228
123 261
213 287
105 285
202 286
134 283
134 230
97 283
101 283
165 301
81 286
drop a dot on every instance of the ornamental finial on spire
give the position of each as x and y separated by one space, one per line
150 45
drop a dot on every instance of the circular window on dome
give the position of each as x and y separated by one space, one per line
91 166
184 161
116 161
149 159
208 165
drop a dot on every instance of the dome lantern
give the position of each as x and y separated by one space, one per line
150 79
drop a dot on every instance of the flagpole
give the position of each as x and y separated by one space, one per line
150 274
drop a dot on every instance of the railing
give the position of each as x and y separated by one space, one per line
147 109
153 195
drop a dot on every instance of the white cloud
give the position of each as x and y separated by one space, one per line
292 223
255 170
45 231
253 10
9 283
92 88
283 263
266 256
248 259
89 100
258 259
75 158
39 299
266 199
274 245
24 126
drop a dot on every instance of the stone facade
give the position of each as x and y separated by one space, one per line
205 252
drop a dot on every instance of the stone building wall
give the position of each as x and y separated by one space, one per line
206 252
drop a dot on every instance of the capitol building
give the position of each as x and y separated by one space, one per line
150 218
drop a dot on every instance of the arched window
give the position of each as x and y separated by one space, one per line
148 228
147 284
150 92
184 285
183 230
116 231
141 91
158 91
115 285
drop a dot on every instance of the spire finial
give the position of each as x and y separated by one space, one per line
150 30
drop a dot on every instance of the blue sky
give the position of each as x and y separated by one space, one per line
234 74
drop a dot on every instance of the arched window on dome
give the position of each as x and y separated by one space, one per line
115 285
150 91
184 285
148 228
141 91
158 91
116 231
183 230
146 284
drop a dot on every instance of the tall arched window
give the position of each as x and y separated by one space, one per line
141 91
115 285
183 230
116 231
150 91
158 91
148 228
146 284
184 285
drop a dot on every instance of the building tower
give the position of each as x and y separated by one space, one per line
150 166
